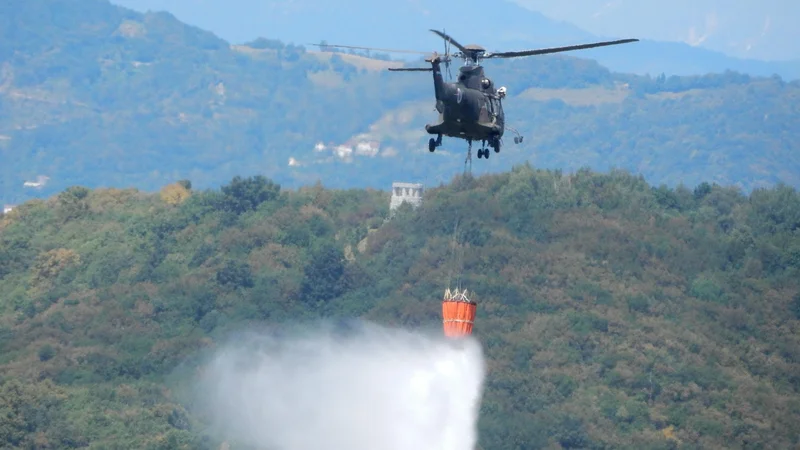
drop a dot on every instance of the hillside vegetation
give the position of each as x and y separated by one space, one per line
613 314
97 95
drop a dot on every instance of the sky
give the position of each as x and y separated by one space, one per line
757 29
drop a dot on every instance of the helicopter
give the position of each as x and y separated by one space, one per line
471 108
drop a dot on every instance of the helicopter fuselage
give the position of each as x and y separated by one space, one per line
469 108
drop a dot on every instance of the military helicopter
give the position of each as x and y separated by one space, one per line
471 108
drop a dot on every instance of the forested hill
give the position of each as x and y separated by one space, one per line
96 95
613 314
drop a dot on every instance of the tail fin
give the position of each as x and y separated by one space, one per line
438 80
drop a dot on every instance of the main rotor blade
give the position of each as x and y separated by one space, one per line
390 50
449 39
557 49
410 69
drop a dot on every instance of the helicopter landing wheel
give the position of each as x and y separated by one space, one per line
431 145
486 153
480 153
495 144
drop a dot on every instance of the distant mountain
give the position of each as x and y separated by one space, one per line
99 95
673 58
763 30
404 24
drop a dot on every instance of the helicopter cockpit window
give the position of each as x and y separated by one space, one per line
486 83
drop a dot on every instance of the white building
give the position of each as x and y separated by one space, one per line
406 192
41 180
7 208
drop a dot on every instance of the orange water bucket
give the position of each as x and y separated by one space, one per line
458 314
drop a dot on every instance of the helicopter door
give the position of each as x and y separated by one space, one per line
497 106
485 115
492 103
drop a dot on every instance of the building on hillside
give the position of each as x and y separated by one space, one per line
8 208
41 180
406 192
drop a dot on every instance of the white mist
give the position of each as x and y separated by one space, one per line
374 389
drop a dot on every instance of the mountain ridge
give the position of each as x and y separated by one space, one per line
404 25
762 30
121 98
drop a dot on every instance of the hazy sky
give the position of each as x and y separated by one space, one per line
759 29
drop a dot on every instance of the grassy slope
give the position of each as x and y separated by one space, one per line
612 313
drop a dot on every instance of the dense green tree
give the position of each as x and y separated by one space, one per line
72 202
245 194
235 274
323 278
